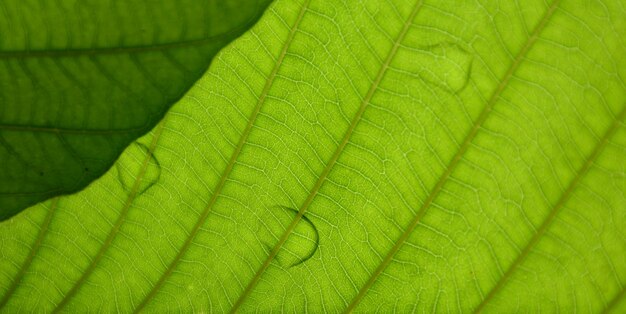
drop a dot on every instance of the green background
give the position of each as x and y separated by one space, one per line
448 157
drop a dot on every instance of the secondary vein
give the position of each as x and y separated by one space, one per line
31 255
556 209
56 130
118 222
457 157
333 160
76 52
615 301
223 178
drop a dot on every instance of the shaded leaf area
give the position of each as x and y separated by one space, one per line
391 156
80 80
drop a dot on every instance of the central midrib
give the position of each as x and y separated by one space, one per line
331 163
457 157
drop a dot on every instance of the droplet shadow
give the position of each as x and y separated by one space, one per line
138 170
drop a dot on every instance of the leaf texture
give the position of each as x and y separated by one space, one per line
409 156
80 80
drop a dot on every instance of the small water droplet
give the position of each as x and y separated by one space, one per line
445 65
138 169
301 244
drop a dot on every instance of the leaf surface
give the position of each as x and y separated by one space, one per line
80 80
426 156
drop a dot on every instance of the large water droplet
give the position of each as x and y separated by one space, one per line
302 242
138 169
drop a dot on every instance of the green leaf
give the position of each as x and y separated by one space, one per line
80 80
410 156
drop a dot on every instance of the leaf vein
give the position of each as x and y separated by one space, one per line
118 222
232 161
556 209
76 52
458 156
615 301
31 255
331 163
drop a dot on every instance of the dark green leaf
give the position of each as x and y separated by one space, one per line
80 80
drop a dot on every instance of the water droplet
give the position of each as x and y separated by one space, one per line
445 65
301 244
138 169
